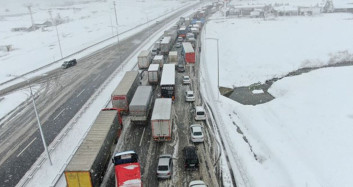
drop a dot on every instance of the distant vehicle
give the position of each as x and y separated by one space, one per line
166 44
196 133
154 73
161 120
173 58
178 45
144 59
186 79
167 84
127 169
165 166
140 105
188 52
154 51
197 183
181 65
69 63
180 39
158 59
189 96
90 161
191 160
200 113
124 92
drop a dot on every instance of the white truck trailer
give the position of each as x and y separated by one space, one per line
124 92
158 59
173 57
166 44
154 74
161 120
144 59
140 105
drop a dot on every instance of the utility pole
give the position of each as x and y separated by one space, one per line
116 21
30 12
37 116
57 33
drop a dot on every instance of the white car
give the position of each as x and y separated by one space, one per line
177 45
200 113
189 96
196 133
197 183
186 79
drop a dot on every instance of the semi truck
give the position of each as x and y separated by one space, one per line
127 169
188 52
161 120
144 59
140 105
124 92
166 45
153 74
90 161
173 57
158 59
168 81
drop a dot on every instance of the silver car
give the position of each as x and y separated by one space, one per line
165 166
189 96
196 133
186 79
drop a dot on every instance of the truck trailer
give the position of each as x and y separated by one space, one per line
161 120
144 59
90 161
124 92
158 59
154 74
166 44
173 57
168 81
188 52
140 105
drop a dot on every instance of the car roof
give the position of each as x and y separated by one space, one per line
199 108
190 92
190 152
186 76
196 127
164 159
197 182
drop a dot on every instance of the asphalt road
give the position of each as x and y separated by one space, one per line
139 139
62 94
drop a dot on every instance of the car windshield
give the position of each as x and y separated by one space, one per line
190 95
200 113
162 168
192 161
197 133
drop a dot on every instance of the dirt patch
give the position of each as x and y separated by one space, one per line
257 93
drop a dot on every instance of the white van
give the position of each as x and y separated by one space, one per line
200 113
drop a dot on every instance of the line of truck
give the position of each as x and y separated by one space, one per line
90 161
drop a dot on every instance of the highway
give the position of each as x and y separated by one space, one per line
61 95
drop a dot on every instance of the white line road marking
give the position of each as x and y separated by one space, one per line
59 114
80 92
142 136
95 78
26 147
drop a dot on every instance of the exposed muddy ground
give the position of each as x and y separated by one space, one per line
245 95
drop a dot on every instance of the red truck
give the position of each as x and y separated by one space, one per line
188 52
127 169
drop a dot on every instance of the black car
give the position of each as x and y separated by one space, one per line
191 161
181 66
69 63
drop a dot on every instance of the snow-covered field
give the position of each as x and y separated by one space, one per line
87 22
303 136
84 23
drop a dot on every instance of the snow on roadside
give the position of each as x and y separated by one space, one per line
84 24
302 137
260 50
